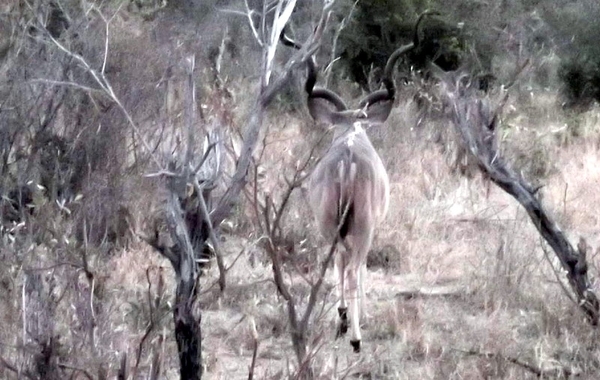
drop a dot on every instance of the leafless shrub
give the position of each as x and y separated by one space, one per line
39 334
270 218
186 173
64 157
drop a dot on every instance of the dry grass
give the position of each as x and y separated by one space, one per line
447 233
500 295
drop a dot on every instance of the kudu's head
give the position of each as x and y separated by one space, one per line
325 106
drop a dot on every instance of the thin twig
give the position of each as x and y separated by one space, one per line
106 87
336 37
207 289
76 369
9 366
190 107
249 13
211 235
66 83
106 39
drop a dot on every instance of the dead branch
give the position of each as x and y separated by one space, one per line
76 370
187 324
11 367
212 237
556 272
38 328
561 372
476 118
252 324
186 218
155 369
338 32
153 304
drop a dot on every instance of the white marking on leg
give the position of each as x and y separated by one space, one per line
353 299
340 285
361 285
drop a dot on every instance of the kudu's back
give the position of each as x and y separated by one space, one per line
349 188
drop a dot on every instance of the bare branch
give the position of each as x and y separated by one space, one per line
252 127
536 370
162 249
190 108
106 87
122 373
249 14
213 238
557 273
252 324
106 39
76 369
66 83
280 19
11 367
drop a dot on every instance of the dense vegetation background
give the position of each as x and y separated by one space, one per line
93 95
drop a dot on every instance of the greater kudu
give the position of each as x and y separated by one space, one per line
349 188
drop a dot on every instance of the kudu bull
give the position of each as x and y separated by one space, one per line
349 188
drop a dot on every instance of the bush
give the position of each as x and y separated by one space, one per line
468 33
580 80
378 27
576 29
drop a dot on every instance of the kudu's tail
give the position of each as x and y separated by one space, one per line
346 178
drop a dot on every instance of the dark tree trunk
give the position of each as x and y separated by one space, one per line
187 332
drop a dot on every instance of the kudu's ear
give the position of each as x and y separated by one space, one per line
378 113
321 110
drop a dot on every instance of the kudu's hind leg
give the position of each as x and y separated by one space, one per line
355 278
361 285
340 268
354 301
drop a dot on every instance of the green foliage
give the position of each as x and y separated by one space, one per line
580 77
378 27
468 33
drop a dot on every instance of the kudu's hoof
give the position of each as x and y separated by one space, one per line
355 346
343 326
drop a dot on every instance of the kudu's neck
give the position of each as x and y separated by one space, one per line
348 133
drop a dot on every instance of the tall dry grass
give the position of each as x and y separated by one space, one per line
461 287
468 289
